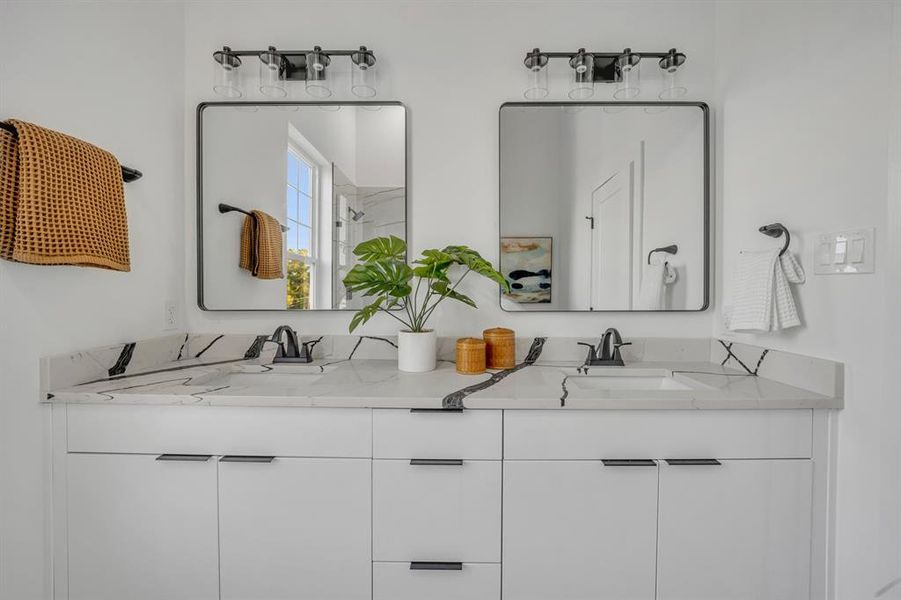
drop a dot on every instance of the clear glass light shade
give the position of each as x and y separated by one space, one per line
227 77
363 80
628 87
271 83
536 88
582 87
672 86
316 84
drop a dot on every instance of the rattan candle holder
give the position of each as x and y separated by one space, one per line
500 348
470 356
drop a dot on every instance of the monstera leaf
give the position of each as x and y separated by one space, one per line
468 257
434 264
443 289
381 248
383 277
366 313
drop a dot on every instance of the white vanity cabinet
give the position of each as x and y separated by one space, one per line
672 505
141 528
294 528
579 529
734 530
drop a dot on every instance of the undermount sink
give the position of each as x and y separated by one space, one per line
279 375
627 382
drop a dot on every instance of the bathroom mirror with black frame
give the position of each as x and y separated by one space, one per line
605 206
285 191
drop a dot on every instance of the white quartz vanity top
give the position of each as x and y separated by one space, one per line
377 383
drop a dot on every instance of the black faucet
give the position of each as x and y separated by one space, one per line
607 353
290 350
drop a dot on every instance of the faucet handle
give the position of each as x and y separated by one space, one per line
592 351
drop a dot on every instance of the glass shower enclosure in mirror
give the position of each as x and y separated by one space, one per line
322 177
604 206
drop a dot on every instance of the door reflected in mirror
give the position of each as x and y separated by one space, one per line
604 206
329 175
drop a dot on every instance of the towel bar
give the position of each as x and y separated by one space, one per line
775 230
227 208
128 174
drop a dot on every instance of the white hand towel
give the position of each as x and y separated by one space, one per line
762 299
652 293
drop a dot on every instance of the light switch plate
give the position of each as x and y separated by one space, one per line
845 252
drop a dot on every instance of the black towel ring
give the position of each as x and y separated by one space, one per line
775 230
672 249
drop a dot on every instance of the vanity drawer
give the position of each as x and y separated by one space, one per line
267 431
597 434
398 581
436 512
472 434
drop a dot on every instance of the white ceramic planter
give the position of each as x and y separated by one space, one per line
417 352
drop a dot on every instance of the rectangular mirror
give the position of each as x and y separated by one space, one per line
331 174
604 206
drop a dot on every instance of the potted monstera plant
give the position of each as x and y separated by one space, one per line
411 293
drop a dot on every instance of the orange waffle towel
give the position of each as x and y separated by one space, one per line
61 201
261 246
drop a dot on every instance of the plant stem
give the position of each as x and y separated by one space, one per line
443 296
393 316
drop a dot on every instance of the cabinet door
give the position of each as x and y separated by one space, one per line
141 528
577 530
295 528
735 530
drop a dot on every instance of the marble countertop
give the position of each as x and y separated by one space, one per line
376 383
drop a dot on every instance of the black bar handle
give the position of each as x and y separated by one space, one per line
690 462
184 457
443 462
436 566
629 462
240 458
436 410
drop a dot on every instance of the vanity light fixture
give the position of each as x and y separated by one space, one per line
589 68
278 67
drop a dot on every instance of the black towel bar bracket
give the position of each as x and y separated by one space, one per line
775 230
128 174
672 249
227 208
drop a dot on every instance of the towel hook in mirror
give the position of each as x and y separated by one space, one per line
775 230
671 249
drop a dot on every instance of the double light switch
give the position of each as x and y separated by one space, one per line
845 252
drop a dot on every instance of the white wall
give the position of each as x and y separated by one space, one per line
111 74
453 64
807 113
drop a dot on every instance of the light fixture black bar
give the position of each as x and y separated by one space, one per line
297 52
128 174
599 54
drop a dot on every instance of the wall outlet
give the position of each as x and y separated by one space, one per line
171 320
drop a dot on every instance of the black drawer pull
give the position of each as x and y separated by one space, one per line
629 462
239 458
443 462
184 457
436 410
436 566
690 462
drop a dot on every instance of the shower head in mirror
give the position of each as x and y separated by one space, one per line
355 215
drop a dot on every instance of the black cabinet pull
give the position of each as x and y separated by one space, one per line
690 462
184 457
629 462
436 566
436 410
444 462
239 458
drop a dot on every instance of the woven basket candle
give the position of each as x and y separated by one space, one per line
500 348
470 356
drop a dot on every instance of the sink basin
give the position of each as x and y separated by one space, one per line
627 382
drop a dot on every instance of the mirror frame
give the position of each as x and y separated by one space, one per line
199 190
705 114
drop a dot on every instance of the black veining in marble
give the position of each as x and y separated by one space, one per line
455 400
123 360
256 347
210 345
181 349
731 356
